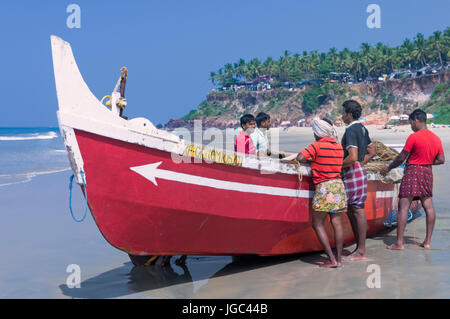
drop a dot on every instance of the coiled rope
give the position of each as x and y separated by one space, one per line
70 198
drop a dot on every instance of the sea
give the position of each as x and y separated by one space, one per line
26 152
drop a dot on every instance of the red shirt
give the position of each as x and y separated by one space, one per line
423 147
326 159
244 144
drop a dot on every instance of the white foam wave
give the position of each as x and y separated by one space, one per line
35 136
26 177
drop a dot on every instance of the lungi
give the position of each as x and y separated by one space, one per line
330 197
355 181
417 182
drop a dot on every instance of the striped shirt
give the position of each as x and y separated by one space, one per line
326 159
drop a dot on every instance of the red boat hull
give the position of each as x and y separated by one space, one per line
173 218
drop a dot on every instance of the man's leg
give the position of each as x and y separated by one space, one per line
354 225
336 222
318 219
360 230
427 204
402 218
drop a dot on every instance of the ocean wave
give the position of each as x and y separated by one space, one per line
34 136
20 178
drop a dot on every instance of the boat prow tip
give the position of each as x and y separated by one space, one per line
54 39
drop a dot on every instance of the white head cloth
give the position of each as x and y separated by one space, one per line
323 129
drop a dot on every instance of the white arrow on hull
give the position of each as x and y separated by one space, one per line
151 172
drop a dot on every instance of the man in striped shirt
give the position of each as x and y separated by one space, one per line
326 156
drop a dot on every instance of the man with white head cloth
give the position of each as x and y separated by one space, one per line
326 156
324 128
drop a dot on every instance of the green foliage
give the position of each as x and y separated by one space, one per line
312 99
205 109
370 60
443 115
275 102
190 116
440 103
373 105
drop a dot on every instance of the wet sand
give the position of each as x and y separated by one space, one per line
40 239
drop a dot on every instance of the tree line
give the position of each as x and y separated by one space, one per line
370 61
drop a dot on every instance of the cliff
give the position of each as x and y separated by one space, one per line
379 100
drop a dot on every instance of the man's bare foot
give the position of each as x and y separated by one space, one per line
395 247
424 245
355 256
330 264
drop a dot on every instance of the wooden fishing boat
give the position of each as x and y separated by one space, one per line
152 193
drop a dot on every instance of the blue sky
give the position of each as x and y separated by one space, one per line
170 47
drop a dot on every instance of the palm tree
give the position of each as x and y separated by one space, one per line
420 52
437 44
212 77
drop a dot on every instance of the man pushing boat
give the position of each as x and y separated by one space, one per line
424 149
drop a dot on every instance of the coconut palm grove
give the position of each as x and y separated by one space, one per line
368 62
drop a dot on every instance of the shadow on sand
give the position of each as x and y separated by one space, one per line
127 279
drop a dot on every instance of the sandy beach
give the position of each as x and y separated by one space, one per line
40 240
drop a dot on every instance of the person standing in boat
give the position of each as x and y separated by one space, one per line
243 143
326 156
424 149
358 150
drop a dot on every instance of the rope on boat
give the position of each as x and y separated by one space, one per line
108 103
150 260
70 198
299 172
120 82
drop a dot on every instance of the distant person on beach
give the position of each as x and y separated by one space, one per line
259 136
326 156
244 143
358 150
424 149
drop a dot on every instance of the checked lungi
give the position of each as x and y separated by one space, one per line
355 181
417 182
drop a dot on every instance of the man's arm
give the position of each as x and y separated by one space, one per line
351 158
301 158
395 163
370 154
439 160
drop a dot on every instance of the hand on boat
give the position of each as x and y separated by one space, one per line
384 171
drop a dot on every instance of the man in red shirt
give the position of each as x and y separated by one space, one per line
424 149
244 143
